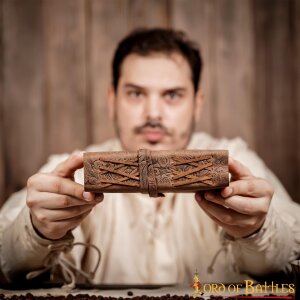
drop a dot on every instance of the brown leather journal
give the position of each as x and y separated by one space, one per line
155 172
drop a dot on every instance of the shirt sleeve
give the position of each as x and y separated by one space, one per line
22 250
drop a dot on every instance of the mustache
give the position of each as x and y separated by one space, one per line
153 124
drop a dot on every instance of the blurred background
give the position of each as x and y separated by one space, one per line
55 69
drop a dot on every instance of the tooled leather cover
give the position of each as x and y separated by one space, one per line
155 172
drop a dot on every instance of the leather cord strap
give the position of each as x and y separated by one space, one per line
148 182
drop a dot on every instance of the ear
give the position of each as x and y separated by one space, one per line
199 101
111 102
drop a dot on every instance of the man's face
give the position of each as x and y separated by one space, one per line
155 106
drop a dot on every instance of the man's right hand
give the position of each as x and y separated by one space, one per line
58 204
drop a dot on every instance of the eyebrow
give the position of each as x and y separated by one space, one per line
135 86
175 89
167 90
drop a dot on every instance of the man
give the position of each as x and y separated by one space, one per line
155 101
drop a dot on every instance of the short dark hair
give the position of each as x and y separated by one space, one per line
157 40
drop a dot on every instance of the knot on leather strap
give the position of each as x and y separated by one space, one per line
148 183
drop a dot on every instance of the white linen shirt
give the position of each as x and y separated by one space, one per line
141 243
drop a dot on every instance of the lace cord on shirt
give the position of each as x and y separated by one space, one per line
224 247
68 268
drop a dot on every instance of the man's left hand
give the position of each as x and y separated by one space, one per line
240 208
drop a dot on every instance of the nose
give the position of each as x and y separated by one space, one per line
153 107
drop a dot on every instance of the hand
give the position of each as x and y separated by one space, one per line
240 208
58 204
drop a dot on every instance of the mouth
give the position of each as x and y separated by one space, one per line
153 135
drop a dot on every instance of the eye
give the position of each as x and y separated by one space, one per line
135 94
173 95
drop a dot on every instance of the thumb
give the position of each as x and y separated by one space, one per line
68 167
238 170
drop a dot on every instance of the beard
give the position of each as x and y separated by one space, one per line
154 123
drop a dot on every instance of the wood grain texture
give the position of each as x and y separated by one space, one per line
296 88
23 83
153 13
56 69
276 114
104 36
2 159
235 69
65 59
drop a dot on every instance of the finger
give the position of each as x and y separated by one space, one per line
68 167
70 224
237 230
58 229
243 205
199 198
238 170
219 222
55 201
57 185
226 215
99 197
46 215
253 187
233 230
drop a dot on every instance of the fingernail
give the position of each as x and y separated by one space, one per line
78 154
99 198
198 197
87 196
227 192
208 196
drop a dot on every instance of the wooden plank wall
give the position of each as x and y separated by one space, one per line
24 128
55 70
2 165
296 77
